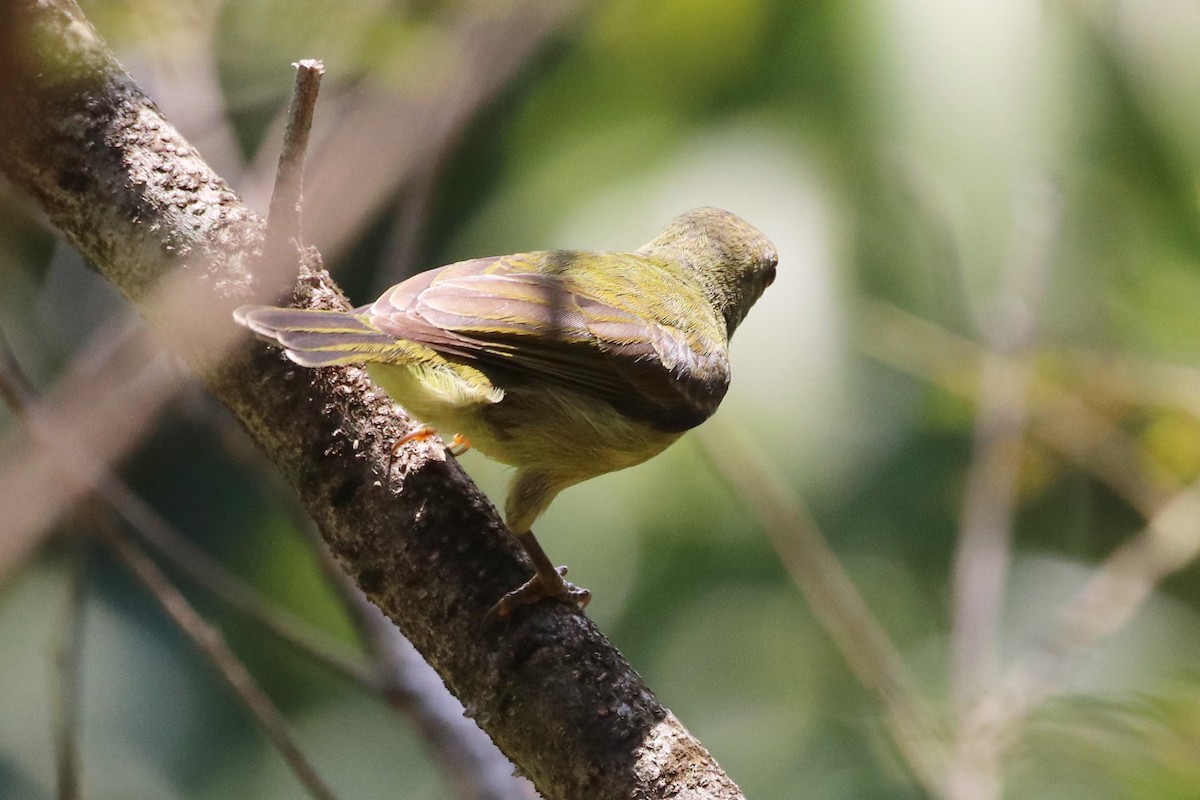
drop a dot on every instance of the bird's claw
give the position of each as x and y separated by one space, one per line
459 445
536 589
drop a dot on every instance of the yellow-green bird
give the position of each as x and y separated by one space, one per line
564 364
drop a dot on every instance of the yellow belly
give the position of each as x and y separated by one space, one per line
556 431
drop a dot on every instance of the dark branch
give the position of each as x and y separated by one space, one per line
420 540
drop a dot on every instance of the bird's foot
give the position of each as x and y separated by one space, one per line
458 445
537 588
419 435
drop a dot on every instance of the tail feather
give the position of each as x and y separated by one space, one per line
268 320
329 358
331 340
316 338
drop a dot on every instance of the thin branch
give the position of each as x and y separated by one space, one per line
1059 419
470 759
91 428
209 641
383 138
981 561
200 567
1146 385
284 218
68 653
19 394
982 558
1109 600
832 597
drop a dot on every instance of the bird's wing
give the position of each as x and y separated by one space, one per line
537 317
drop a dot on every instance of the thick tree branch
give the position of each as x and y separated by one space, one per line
79 137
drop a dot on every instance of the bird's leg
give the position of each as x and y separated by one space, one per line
420 434
547 581
530 493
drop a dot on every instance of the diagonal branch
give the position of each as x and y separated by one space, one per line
212 644
78 136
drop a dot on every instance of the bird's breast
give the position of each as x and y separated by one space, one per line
565 433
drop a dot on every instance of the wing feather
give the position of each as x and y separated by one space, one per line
528 318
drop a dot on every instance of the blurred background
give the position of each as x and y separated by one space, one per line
976 377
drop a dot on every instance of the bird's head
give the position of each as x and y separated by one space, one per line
731 259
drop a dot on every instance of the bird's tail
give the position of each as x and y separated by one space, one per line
314 338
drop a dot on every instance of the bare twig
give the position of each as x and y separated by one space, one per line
210 574
1117 588
88 429
472 762
1109 600
382 138
832 597
981 562
1146 385
982 558
67 658
19 394
213 646
284 218
1059 419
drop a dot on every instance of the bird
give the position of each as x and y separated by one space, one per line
564 364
